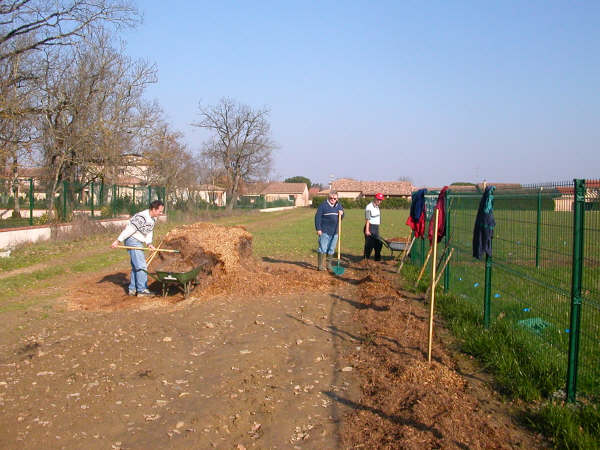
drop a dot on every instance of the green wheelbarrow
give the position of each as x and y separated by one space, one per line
182 280
393 246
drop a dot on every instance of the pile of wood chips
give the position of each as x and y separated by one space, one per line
206 245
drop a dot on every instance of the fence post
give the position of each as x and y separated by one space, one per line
133 197
487 291
114 200
101 194
149 194
448 242
31 200
577 267
538 229
92 197
64 214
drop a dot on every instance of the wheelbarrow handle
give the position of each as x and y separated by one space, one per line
146 249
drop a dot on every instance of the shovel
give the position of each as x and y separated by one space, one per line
337 268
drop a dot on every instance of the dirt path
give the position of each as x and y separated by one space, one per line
257 372
279 356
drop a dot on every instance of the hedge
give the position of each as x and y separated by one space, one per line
361 203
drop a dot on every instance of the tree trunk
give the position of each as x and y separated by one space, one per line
54 188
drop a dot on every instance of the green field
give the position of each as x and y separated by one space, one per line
291 234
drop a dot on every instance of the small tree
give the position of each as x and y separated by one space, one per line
298 179
241 143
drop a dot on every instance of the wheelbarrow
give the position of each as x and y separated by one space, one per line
393 246
182 280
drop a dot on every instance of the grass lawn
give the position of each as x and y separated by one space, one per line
291 234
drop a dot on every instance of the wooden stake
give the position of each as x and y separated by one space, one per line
405 254
424 265
441 272
433 264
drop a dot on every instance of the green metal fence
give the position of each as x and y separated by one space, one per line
544 273
95 199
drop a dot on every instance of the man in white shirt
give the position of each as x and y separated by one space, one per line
373 220
138 232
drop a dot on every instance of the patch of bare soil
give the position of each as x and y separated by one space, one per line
221 371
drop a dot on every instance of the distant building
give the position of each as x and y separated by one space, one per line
354 189
292 192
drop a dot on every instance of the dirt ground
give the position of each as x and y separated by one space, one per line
276 355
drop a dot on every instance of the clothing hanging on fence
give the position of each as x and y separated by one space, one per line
416 219
483 231
441 206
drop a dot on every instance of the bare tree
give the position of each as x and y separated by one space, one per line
173 166
241 142
16 131
93 111
57 22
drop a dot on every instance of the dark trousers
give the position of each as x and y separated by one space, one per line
373 243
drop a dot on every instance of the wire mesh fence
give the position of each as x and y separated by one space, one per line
30 201
540 279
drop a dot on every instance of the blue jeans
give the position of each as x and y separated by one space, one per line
327 243
139 276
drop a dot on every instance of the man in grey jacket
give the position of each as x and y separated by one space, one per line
138 232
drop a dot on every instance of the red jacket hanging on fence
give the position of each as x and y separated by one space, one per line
416 219
441 206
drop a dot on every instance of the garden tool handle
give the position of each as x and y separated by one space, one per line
339 237
146 249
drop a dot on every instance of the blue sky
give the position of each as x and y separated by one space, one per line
437 91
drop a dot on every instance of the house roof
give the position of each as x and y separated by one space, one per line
284 188
24 172
135 159
589 184
210 187
477 187
372 187
314 190
128 180
252 188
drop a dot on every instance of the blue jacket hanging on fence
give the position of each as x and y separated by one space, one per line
484 225
441 206
416 219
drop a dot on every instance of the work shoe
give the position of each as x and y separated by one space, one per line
132 293
145 293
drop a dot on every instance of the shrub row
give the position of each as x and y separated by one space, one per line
361 203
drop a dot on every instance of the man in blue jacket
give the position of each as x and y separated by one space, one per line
326 223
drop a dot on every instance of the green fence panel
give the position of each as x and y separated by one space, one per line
532 269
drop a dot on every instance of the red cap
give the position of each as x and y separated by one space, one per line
379 196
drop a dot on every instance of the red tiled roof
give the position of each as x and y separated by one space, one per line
252 188
284 188
128 181
209 187
24 172
368 188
